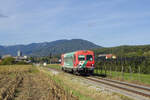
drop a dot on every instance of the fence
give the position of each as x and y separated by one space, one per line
131 68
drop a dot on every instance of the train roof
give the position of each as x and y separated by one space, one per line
79 51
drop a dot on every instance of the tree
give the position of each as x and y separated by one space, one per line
8 61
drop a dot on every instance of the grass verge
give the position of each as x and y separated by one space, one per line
55 66
143 79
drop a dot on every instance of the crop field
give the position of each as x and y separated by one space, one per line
25 82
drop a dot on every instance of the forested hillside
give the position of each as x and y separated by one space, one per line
126 51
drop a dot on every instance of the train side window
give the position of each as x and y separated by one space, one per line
81 57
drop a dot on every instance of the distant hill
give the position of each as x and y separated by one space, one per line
45 48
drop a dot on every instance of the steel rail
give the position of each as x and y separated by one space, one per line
117 86
125 83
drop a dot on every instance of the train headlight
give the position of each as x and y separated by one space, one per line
92 65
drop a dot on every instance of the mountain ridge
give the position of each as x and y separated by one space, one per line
45 48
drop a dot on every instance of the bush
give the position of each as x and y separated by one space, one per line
21 63
8 61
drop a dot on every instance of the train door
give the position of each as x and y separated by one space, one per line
74 61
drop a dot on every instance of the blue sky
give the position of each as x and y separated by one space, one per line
105 22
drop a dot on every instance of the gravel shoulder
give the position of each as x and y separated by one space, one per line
89 89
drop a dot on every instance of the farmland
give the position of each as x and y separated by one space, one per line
25 82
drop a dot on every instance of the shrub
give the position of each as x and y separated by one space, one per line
8 61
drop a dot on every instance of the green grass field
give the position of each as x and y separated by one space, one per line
131 77
55 66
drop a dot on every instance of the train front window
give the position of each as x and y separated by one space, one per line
89 58
81 57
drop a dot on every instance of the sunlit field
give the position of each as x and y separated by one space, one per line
23 82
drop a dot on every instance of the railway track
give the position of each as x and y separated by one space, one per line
132 88
127 84
142 92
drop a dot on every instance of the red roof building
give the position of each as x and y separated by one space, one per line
107 56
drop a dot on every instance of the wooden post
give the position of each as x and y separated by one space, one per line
116 68
122 72
101 70
139 73
110 71
105 70
130 72
97 68
116 71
